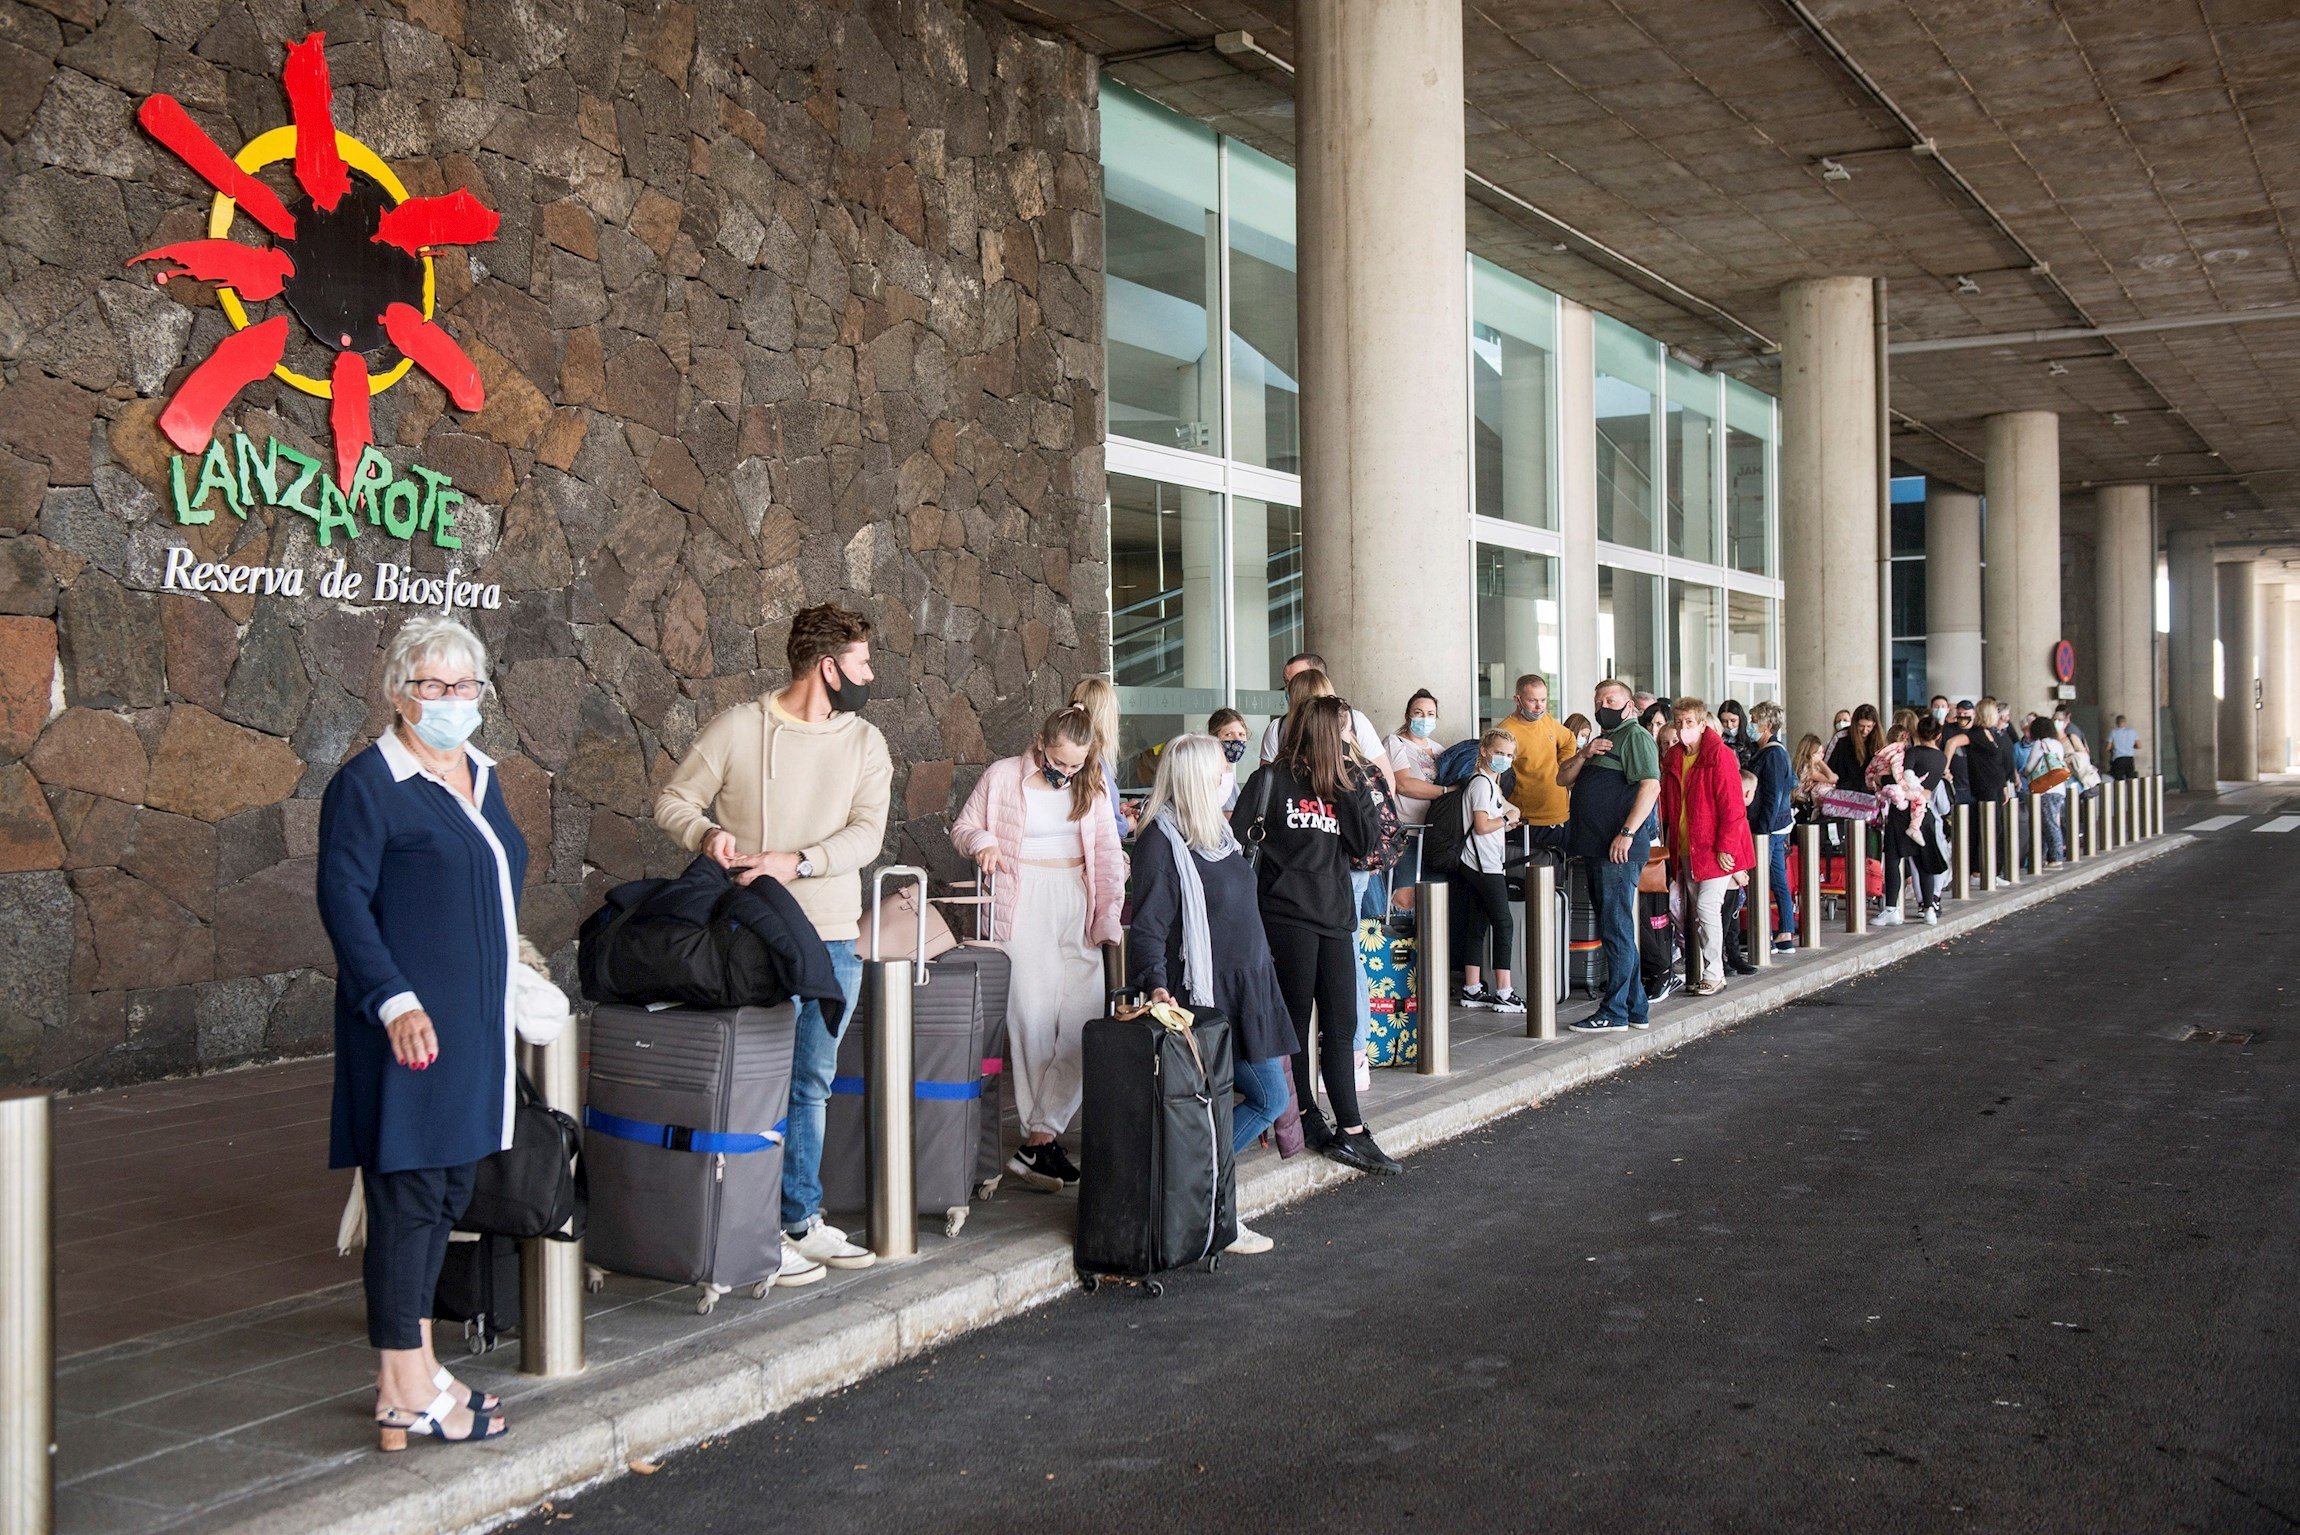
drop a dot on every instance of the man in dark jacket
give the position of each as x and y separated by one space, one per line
1615 781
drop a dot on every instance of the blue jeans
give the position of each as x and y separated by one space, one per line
2055 808
1263 1083
814 1061
1369 891
1784 901
1614 888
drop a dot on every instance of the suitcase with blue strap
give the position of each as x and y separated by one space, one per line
683 1116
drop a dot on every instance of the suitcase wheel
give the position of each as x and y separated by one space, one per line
986 1188
476 1339
954 1220
759 1290
708 1301
594 1278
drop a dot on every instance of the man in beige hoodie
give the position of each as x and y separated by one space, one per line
794 787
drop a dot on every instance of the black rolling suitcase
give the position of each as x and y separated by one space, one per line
479 1287
1157 1189
1585 950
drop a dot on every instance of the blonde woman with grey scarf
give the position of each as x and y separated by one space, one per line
1197 933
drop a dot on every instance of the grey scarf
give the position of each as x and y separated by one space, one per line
1197 937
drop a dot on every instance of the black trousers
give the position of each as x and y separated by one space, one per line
409 1215
1315 969
1485 902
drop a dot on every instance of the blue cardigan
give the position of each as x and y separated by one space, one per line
412 898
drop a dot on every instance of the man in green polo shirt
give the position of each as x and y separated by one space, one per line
1615 781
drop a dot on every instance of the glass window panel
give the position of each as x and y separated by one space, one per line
1693 640
1165 610
1626 632
1692 437
1628 370
1909 598
1517 626
1159 232
1266 576
1512 344
1748 632
1265 361
1910 687
1748 473
1909 527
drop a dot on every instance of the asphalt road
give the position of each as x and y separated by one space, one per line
1974 1244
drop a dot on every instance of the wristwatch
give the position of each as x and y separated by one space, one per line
806 869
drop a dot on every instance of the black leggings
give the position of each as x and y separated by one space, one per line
1315 968
409 1214
1485 900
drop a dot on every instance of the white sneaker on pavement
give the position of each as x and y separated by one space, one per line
798 1268
827 1245
1250 1241
1889 917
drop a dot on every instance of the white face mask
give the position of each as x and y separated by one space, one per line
447 723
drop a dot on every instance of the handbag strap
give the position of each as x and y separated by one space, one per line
1258 832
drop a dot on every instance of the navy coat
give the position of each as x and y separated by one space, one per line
415 900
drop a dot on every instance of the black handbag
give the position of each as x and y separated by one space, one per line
1258 829
535 1187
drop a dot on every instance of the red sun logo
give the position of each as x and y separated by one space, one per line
351 260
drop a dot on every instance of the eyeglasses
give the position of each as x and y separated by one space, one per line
431 690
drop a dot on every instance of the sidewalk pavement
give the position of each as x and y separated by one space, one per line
255 1419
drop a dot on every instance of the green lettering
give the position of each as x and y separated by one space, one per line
433 480
442 520
401 508
257 473
368 479
216 474
334 513
186 512
297 496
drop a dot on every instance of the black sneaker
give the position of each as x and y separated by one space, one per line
1062 1167
1740 967
1042 1167
1357 1149
1316 1134
1507 1002
1668 987
1476 998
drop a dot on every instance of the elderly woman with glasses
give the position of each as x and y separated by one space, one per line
420 866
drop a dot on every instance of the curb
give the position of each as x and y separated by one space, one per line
650 1407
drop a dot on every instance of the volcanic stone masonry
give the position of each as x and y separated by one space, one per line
792 300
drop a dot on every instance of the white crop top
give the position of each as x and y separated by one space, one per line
1048 833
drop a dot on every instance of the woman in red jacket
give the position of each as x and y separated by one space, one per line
1707 827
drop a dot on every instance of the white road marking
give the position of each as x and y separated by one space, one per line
2281 823
2218 823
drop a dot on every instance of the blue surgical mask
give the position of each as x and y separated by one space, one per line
1423 724
1499 765
1234 752
447 723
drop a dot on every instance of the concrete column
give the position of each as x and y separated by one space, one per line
2124 612
1832 648
2022 591
1952 592
2275 679
2239 669
1577 502
1384 315
2195 629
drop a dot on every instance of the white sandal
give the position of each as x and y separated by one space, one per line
431 1423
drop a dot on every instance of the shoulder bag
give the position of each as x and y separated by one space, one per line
536 1186
1258 829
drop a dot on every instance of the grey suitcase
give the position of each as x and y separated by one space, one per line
684 1115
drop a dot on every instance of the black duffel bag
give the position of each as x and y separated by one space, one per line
535 1186
702 940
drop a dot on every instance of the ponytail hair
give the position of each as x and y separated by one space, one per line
1073 726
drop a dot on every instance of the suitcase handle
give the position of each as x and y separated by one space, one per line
878 899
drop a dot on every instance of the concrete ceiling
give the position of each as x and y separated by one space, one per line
2081 163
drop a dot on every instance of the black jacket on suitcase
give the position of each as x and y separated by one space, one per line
1157 1187
702 940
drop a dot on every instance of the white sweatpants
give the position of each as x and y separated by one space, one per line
1056 987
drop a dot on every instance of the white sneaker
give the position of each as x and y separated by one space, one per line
798 1268
1365 1073
824 1243
1250 1241
1932 916
1889 917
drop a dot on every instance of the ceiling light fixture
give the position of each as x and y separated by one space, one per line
2154 459
2055 370
2116 418
1967 285
1832 170
2194 491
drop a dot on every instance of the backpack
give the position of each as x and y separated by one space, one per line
1456 764
1445 833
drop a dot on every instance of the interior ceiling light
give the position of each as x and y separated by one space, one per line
2055 370
1560 247
2195 491
1832 170
1967 285
2154 459
2116 418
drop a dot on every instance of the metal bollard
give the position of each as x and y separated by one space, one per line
889 1091
1433 979
2016 816
1760 904
1856 878
1809 888
551 1273
2156 807
1988 810
2072 822
27 1314
2035 835
1961 850
2096 823
1543 975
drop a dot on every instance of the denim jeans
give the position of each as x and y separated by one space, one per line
1784 900
1614 888
1369 892
1263 1083
2055 807
814 1061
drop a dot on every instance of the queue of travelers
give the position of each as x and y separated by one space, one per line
1239 886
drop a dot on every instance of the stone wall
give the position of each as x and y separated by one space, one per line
792 300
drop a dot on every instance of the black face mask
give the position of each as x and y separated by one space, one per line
1610 719
1234 751
847 695
1054 776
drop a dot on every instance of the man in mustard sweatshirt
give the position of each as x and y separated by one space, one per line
794 787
